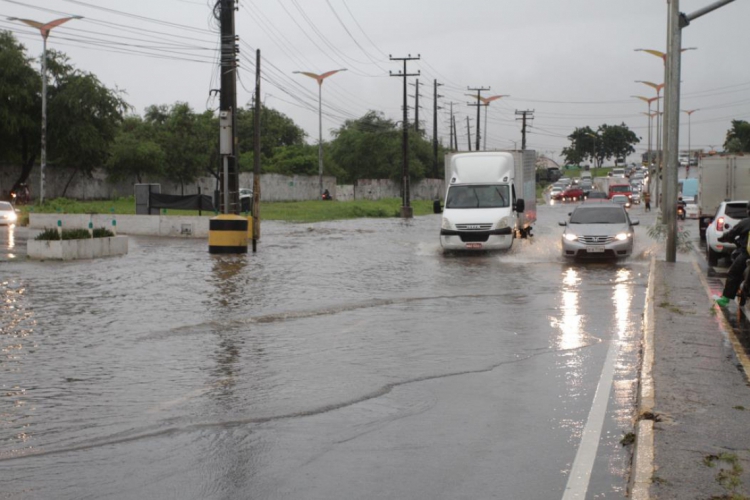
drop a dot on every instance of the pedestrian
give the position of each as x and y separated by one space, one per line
737 269
647 201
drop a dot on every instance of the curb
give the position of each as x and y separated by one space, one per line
643 454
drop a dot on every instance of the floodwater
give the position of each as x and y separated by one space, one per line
347 359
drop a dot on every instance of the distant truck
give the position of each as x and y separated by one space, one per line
722 178
490 199
618 187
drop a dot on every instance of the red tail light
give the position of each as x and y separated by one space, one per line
720 224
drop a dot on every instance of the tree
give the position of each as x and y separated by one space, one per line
277 131
20 108
738 137
188 140
618 140
85 117
133 153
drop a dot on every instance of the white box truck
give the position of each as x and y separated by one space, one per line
490 199
722 178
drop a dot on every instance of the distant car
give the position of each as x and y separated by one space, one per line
597 197
571 194
564 181
598 231
621 199
246 199
8 214
555 193
727 216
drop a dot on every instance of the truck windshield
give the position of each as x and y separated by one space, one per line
479 196
620 189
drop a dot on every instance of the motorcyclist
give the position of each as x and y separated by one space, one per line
681 206
734 276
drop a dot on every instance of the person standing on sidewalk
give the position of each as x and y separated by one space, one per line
737 269
647 200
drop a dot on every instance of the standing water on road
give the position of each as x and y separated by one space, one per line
344 359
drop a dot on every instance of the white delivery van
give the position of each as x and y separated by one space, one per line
490 200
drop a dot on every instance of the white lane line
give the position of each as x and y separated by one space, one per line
580 473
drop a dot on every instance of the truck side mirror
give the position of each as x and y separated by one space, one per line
436 208
520 206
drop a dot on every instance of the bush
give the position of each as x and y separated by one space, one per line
73 234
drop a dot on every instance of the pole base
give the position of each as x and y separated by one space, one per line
407 212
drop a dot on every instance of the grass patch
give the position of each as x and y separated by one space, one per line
292 211
669 307
628 439
72 234
739 407
729 474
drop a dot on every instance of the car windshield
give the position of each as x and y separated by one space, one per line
598 215
4 205
479 196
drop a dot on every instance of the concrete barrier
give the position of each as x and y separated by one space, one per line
147 225
90 248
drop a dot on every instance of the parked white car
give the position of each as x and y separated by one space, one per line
727 216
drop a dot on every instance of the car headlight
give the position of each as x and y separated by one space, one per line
503 223
622 236
570 236
446 224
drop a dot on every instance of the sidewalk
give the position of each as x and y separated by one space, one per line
693 437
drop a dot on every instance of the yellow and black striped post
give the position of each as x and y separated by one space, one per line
227 233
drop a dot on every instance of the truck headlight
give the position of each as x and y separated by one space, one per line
446 224
570 236
622 236
503 223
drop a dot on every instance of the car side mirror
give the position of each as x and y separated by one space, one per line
562 223
634 222
520 206
436 208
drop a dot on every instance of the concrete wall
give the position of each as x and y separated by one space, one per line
274 187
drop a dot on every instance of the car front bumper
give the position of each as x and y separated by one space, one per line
496 239
613 250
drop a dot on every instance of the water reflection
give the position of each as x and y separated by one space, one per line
621 297
570 326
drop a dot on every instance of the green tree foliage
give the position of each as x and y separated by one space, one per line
738 137
606 142
20 107
86 117
134 153
188 140
371 148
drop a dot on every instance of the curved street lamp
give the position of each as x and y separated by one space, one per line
486 102
659 156
689 112
650 121
319 79
663 55
44 29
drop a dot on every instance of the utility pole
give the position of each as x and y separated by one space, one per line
435 108
256 155
524 114
406 210
478 104
416 105
455 131
468 132
228 109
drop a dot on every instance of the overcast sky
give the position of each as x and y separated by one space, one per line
573 62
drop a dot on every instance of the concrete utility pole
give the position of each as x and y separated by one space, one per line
416 105
468 132
455 130
676 21
435 108
478 104
256 155
228 109
406 210
524 114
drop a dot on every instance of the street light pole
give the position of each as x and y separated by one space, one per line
319 79
44 29
689 112
486 101
658 87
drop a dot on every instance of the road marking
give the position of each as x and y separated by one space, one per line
580 473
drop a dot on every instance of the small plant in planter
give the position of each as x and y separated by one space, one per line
73 234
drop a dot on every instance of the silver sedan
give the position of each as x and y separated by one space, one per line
598 230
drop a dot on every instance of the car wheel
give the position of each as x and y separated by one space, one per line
711 256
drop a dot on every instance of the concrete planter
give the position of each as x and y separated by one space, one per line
91 248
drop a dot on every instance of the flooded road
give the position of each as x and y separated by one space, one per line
347 359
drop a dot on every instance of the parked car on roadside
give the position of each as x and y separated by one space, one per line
727 216
598 230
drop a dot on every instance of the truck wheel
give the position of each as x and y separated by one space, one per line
711 256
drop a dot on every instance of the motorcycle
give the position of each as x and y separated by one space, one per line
681 212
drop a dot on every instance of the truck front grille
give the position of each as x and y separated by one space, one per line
473 227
